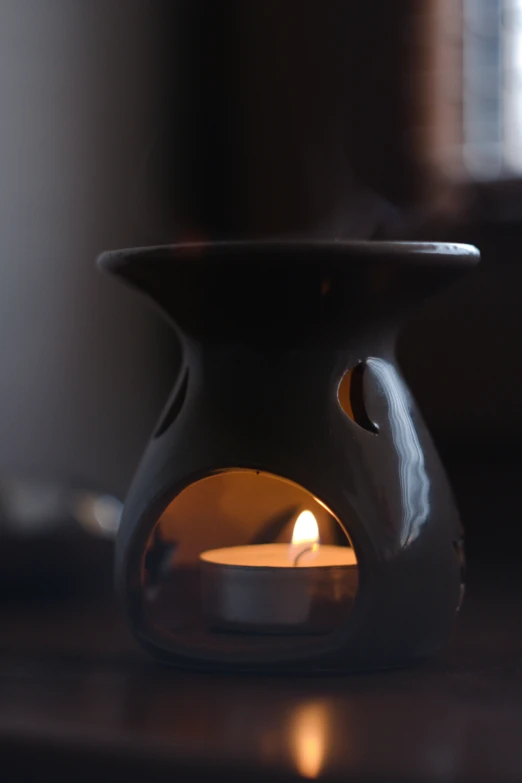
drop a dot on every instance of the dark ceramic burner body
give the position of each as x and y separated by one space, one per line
269 331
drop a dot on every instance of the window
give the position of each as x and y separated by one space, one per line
492 88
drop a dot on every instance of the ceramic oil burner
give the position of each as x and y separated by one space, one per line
290 511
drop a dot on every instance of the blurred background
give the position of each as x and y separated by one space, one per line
137 122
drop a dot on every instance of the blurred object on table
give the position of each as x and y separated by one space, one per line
55 541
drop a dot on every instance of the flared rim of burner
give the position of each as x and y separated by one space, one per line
414 253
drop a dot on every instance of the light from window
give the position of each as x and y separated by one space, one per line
492 94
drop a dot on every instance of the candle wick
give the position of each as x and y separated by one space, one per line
311 548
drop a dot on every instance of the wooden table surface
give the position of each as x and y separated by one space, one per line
78 699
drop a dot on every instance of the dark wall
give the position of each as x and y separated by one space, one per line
462 352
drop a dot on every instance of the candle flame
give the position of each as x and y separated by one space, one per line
306 530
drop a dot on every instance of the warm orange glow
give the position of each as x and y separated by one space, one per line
306 530
309 734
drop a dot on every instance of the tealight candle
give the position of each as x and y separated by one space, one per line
303 586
